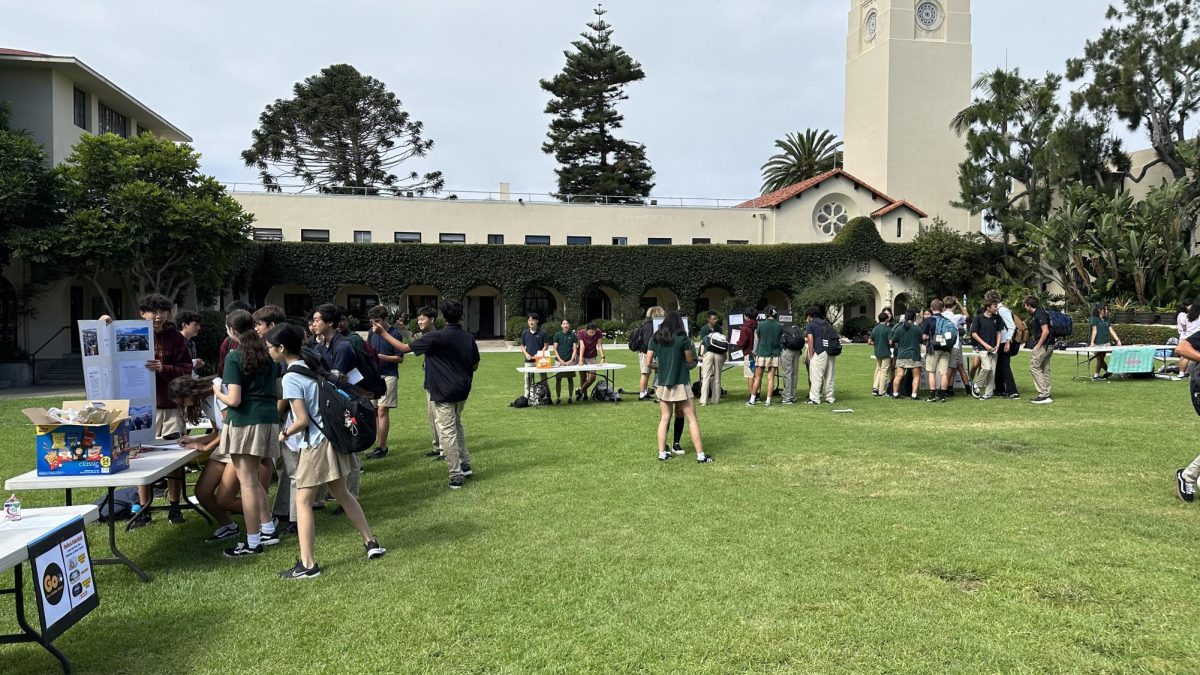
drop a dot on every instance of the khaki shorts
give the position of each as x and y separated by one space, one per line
259 440
320 465
956 357
937 362
388 400
763 362
674 393
908 364
168 421
747 371
590 360
645 370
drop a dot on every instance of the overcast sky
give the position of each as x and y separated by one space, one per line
723 79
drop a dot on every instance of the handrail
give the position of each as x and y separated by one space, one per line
33 356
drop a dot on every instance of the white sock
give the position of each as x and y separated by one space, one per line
753 398
268 527
254 540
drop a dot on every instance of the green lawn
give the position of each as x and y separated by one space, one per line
971 536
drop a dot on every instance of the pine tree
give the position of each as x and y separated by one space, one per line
595 165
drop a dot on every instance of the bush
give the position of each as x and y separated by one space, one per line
438 324
857 327
614 331
1130 334
208 342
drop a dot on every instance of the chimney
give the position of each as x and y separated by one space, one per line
505 191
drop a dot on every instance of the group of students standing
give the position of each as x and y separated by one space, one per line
266 410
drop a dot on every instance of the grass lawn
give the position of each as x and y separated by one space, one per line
970 536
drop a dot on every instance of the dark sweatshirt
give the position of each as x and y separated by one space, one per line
746 337
171 348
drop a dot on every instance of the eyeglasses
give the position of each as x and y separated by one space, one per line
271 346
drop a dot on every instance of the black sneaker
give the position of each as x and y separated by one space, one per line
664 455
270 539
175 516
142 519
222 533
933 398
705 459
811 402
1042 399
874 392
441 457
338 511
242 550
301 572
456 483
433 453
1187 491
377 453
677 449
287 530
1014 396
466 469
644 397
374 550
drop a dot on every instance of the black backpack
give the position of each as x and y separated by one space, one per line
1061 324
347 418
371 382
833 341
792 338
638 338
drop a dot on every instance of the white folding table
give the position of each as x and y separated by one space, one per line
1090 352
15 538
147 468
606 371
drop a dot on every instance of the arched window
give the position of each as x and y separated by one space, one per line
540 300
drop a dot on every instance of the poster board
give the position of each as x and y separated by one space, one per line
63 582
114 367
657 321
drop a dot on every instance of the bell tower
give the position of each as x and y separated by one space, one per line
908 73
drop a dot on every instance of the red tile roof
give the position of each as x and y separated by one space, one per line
895 205
4 51
774 199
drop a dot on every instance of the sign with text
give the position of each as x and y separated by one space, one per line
63 582
114 367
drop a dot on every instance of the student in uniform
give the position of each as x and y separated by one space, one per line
792 348
451 359
426 324
1100 332
591 352
745 344
1041 348
710 362
937 360
252 427
318 464
671 348
767 335
880 339
189 327
958 365
906 340
339 356
533 340
283 507
647 334
821 364
566 353
389 362
986 331
1006 384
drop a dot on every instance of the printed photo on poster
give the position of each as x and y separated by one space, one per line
133 339
141 417
90 342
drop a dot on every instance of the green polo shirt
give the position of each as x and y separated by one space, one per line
672 364
258 393
769 331
1101 325
880 335
565 344
907 337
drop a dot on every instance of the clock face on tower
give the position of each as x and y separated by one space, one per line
929 15
872 25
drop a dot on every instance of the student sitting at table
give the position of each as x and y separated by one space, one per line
566 353
1099 332
591 352
217 487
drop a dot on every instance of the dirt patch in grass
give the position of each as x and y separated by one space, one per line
966 580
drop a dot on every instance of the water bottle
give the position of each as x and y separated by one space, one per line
12 508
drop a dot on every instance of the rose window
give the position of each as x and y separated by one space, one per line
831 218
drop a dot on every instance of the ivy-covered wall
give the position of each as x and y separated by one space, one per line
746 272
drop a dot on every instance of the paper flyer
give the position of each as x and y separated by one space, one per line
114 367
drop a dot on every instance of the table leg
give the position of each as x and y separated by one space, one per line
118 557
69 498
28 634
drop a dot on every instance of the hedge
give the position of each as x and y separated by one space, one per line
747 273
1130 333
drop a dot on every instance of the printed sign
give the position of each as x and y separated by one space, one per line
114 367
63 582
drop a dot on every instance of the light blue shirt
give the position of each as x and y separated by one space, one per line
297 386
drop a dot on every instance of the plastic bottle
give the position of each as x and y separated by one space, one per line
12 508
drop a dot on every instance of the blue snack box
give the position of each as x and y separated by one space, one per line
82 449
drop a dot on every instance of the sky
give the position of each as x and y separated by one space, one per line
724 79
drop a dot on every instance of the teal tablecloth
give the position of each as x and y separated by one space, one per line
1131 360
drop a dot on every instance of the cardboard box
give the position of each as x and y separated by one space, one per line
82 449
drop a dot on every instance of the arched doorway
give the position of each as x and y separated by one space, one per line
357 301
417 296
598 303
660 296
713 297
777 297
295 300
484 312
900 304
543 301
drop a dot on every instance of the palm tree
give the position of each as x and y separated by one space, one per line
801 158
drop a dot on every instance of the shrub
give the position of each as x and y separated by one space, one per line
208 342
438 324
1130 334
857 327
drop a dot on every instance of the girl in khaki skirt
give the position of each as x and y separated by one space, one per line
675 355
318 464
251 427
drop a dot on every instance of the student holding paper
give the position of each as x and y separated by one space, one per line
339 357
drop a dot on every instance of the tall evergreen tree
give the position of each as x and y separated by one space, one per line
595 165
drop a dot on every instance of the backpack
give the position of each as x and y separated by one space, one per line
519 402
637 339
718 343
367 363
603 392
832 341
347 418
539 394
122 507
792 338
1060 324
1194 389
1021 331
945 335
